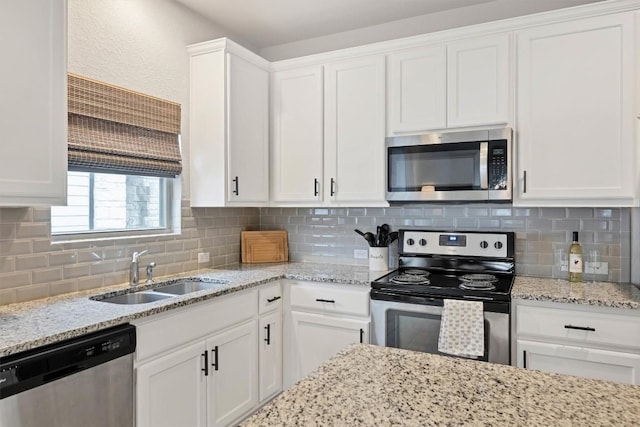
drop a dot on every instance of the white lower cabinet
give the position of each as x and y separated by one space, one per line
232 388
172 390
270 341
320 320
270 355
319 337
580 361
593 342
198 365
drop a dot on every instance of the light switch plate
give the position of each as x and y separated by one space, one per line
360 253
596 267
203 257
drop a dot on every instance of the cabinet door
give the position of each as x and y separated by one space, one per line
297 148
270 354
417 85
478 81
575 113
33 103
247 131
354 130
317 338
579 361
233 380
171 390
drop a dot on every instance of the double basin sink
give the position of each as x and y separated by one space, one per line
162 292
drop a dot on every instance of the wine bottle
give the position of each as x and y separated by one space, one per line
575 260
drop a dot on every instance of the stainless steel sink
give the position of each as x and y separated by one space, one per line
187 286
136 298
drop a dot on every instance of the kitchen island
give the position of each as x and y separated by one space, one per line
373 386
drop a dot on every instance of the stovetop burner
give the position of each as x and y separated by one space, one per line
478 282
411 278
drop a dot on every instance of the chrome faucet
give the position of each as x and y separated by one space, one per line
134 272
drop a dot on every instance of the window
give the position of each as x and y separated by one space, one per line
103 203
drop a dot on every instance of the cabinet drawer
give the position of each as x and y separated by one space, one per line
335 298
157 334
270 298
579 326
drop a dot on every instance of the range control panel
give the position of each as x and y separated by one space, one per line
416 242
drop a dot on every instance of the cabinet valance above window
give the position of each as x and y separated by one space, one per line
116 130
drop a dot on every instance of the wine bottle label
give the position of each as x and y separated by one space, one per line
575 263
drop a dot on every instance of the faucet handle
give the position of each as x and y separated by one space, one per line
150 268
136 255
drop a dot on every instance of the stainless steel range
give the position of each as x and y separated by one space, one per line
407 304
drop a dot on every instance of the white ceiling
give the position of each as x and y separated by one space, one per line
266 23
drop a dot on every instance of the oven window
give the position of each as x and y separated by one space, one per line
434 167
413 331
420 332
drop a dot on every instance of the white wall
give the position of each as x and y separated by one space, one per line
475 14
140 45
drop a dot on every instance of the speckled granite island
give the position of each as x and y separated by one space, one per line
375 386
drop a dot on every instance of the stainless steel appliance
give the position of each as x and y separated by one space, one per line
453 166
85 381
406 304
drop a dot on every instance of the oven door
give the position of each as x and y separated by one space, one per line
417 327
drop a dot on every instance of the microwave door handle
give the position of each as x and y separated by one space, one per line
483 167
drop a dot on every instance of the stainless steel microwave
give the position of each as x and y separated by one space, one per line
450 166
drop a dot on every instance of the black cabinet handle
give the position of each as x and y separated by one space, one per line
361 335
215 357
236 191
524 357
580 328
268 338
333 187
316 187
273 299
206 363
326 300
524 189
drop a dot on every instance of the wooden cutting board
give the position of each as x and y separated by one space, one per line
264 246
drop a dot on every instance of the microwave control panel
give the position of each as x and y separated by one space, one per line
498 165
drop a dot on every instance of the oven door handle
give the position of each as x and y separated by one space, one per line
483 166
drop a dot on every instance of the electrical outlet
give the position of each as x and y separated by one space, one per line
564 266
596 267
360 253
203 257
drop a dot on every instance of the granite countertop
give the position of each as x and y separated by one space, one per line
371 386
603 294
27 325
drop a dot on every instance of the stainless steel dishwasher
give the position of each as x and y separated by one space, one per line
84 381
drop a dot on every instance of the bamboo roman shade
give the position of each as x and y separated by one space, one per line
116 130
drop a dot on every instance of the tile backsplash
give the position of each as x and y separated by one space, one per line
32 267
326 234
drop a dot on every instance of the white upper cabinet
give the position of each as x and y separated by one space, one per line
417 87
229 125
458 84
297 135
478 81
33 103
575 113
354 130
